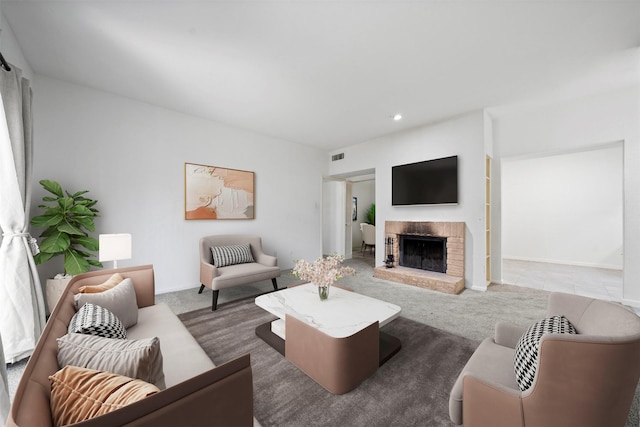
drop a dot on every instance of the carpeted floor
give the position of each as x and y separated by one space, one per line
471 314
412 388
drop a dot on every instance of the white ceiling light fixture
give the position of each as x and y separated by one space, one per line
397 117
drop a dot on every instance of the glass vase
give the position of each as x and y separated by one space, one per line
323 292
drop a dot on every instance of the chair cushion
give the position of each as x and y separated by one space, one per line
139 359
231 255
92 319
175 342
120 300
527 348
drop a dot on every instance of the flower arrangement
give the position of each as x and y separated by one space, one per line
323 271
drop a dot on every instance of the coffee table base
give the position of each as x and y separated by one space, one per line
389 345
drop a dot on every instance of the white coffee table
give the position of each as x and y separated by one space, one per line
337 342
343 314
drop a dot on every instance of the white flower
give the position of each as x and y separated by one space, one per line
322 272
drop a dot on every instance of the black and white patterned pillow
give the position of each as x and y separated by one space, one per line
230 255
92 319
526 351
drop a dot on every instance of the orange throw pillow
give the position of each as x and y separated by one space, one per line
94 289
78 394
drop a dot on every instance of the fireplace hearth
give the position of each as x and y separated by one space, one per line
425 254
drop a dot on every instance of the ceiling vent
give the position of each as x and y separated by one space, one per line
337 157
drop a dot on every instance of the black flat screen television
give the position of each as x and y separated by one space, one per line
425 183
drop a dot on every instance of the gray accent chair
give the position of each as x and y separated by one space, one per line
585 380
216 278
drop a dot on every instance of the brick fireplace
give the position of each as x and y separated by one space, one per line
418 273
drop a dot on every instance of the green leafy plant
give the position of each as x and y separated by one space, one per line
371 214
68 220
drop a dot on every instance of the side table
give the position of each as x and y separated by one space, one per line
54 289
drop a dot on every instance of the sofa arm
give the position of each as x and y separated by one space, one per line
268 260
207 273
507 335
221 396
486 404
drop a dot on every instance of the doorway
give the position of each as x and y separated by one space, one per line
346 199
562 221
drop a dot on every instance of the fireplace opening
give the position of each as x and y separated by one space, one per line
423 252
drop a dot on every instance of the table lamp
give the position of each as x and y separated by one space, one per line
114 247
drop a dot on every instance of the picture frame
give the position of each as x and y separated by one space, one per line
354 209
213 192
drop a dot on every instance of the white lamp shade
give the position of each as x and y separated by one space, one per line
114 247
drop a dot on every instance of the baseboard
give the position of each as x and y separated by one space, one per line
553 261
632 303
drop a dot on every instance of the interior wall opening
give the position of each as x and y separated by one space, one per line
346 199
562 221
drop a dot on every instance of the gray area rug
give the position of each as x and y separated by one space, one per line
410 389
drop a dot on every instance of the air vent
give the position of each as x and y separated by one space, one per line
337 157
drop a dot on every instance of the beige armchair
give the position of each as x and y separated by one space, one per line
215 278
588 379
368 236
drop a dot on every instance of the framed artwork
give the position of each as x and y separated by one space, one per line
212 192
354 209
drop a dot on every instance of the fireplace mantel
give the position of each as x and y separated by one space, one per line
450 282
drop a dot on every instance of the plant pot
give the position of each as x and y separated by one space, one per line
54 290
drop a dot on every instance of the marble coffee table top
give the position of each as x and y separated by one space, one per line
343 314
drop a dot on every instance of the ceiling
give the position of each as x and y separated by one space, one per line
329 73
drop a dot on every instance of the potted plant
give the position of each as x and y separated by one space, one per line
371 214
69 218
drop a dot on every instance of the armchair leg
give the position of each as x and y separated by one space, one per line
214 302
275 283
201 289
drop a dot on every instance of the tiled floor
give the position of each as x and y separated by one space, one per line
599 283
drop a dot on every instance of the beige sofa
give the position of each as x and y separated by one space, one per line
197 393
215 278
583 380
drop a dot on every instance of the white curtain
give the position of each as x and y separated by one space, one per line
22 310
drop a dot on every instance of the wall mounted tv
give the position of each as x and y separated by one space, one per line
425 183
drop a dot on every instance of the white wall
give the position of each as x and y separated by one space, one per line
365 191
575 125
131 155
11 50
463 136
333 208
564 208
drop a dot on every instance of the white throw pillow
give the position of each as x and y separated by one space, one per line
120 300
140 359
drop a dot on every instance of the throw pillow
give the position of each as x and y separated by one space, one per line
527 348
105 286
139 359
230 255
78 394
92 319
120 300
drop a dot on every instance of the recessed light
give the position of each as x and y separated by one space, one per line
397 117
